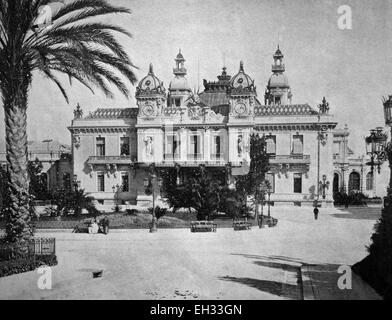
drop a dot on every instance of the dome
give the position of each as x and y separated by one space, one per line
179 83
150 82
241 79
278 80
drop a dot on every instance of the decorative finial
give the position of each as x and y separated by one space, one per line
324 106
151 70
241 66
224 71
78 112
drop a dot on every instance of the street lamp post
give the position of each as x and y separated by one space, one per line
324 184
376 147
269 191
153 182
321 140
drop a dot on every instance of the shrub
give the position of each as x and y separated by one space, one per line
25 264
159 212
380 254
74 201
131 212
353 198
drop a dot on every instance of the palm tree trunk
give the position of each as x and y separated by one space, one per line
18 225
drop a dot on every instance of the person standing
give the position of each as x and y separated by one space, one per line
105 225
316 212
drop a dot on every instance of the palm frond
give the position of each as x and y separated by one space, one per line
84 14
52 77
83 4
96 33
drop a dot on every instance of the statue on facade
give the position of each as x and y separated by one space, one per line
240 145
149 146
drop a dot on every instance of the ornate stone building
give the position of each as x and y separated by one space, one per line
112 148
352 172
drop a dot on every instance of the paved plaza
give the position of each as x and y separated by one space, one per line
177 264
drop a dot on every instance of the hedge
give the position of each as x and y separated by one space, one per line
26 264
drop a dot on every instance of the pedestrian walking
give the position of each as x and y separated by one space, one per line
316 212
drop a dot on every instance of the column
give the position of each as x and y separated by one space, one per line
183 144
207 142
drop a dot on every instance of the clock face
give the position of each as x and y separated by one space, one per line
240 108
148 110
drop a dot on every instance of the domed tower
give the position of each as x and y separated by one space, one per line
242 94
179 90
278 89
150 95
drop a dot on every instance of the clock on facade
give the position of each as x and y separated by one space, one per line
148 110
240 108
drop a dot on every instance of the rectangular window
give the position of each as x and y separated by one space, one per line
125 182
270 177
124 146
101 182
271 145
172 147
298 141
178 102
217 144
297 183
100 147
194 152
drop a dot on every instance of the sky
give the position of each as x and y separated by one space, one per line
351 68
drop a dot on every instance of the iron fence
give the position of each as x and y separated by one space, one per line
34 247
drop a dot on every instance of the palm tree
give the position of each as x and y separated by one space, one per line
71 43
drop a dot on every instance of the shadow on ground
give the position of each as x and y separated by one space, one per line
279 288
359 213
273 287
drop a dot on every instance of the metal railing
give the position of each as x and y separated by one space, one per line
110 159
289 158
34 247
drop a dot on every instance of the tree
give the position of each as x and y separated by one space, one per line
38 180
205 194
176 196
199 192
3 190
73 201
68 42
252 183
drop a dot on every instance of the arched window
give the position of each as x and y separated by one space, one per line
369 181
354 182
336 183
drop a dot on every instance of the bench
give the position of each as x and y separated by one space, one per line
203 226
268 221
241 225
